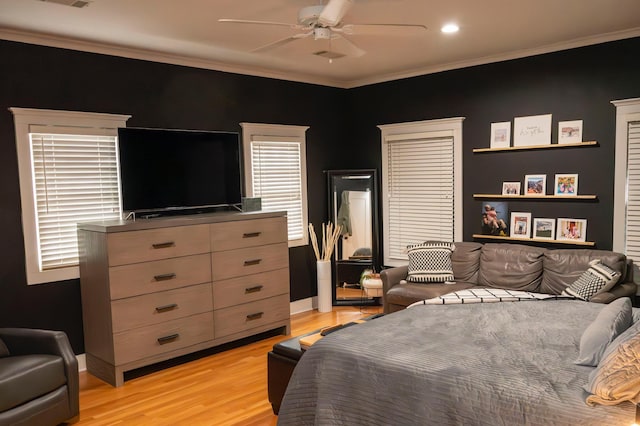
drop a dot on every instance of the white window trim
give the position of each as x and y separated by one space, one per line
450 127
627 110
26 120
286 132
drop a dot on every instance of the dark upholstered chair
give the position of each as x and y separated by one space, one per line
39 382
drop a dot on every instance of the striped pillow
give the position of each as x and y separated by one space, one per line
597 279
430 262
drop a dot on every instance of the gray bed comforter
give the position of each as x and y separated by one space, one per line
482 364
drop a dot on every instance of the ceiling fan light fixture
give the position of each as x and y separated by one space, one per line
329 54
450 28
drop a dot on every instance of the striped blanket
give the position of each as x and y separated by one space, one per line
487 295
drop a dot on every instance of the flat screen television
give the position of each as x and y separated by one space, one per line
164 170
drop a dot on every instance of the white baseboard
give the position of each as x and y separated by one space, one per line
296 307
82 362
303 305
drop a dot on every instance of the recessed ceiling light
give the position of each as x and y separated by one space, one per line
449 28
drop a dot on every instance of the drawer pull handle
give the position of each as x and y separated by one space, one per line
251 234
163 245
252 262
168 339
166 308
164 277
254 289
255 316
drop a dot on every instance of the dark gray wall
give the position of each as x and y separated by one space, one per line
575 84
571 85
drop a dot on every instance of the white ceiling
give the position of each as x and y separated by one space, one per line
187 32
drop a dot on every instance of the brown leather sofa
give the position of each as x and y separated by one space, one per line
39 383
508 266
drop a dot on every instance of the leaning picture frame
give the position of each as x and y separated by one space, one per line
544 228
520 225
535 185
570 132
566 185
510 188
571 229
534 130
500 135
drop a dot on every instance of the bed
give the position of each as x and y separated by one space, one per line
492 364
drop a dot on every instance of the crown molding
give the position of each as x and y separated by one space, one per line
155 56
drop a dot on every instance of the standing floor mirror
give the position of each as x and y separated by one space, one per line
353 203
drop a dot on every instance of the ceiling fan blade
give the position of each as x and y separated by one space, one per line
281 42
245 21
353 49
382 28
334 11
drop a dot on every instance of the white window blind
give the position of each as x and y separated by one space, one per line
75 180
276 171
277 179
632 242
420 178
68 174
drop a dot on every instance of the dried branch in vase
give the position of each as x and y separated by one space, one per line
330 235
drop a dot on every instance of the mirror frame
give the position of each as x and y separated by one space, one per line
375 253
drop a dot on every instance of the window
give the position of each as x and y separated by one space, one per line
68 174
275 171
421 185
626 204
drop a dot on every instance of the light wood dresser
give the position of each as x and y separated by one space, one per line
155 289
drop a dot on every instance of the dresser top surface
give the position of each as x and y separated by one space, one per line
179 220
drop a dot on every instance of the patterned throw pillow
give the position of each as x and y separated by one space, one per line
597 279
430 262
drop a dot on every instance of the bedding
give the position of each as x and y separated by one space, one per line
476 364
487 295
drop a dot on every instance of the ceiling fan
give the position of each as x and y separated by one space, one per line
323 22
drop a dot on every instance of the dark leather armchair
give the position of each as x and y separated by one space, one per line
39 382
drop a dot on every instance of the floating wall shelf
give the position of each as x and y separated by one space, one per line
539 197
537 240
533 147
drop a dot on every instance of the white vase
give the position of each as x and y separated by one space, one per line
324 286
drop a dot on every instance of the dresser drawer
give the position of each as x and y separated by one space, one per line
244 317
250 288
248 233
253 260
156 339
154 244
162 306
149 277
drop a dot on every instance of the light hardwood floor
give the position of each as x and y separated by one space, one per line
226 388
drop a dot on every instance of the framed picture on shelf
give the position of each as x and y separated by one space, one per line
570 131
571 229
510 188
501 135
544 229
520 225
532 131
535 184
495 216
566 185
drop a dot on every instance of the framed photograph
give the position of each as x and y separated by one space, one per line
531 131
510 188
544 229
566 185
495 217
571 229
501 134
570 131
520 225
535 184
